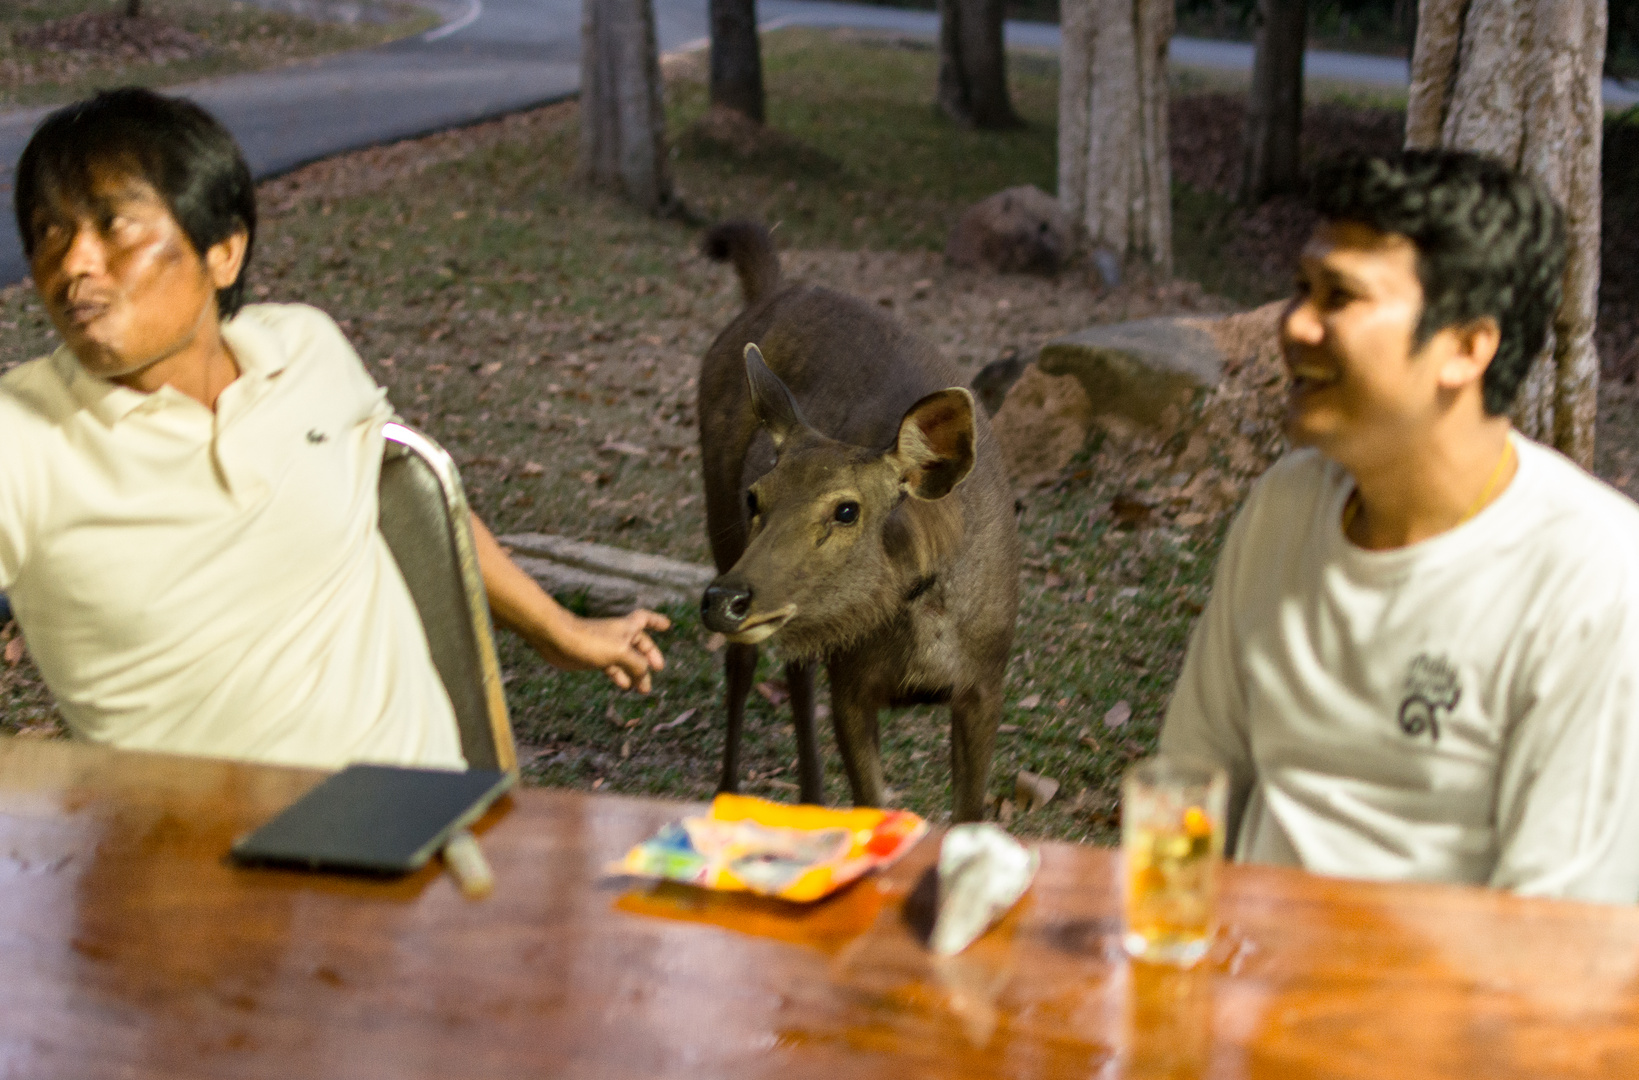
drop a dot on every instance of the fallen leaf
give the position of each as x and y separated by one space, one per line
1006 729
1004 812
532 468
491 368
1052 581
1030 702
615 446
14 652
597 783
1118 715
822 712
1032 790
783 785
1131 512
775 692
682 718
1091 743
626 749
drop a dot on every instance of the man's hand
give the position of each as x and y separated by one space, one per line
621 648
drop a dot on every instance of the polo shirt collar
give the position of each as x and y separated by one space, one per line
256 352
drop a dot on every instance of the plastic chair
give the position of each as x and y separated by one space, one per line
425 521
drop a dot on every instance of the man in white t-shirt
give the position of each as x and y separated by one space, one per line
1421 656
188 517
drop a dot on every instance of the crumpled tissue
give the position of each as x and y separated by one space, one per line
982 873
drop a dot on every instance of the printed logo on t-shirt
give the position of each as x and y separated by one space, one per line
1431 688
316 436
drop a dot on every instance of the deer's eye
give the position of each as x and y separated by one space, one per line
847 513
751 503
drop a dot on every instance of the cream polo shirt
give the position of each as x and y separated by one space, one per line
216 583
1462 709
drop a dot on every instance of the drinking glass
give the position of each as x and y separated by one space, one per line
1172 837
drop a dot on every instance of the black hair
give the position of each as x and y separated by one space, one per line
1490 242
179 149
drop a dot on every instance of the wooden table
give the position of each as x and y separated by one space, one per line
129 947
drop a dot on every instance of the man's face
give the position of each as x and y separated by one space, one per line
1358 390
119 277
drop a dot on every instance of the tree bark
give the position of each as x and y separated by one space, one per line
973 64
623 123
1115 178
1521 82
736 58
1274 115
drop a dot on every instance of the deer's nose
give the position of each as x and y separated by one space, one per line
725 607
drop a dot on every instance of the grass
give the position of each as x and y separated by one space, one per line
239 36
526 324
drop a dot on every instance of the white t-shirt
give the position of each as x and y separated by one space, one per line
216 583
1462 709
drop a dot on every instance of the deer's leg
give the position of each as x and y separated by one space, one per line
974 713
739 668
853 715
810 777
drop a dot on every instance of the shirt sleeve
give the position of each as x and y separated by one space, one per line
1206 718
1568 789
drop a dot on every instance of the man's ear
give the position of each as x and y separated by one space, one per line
771 400
935 448
1472 347
225 259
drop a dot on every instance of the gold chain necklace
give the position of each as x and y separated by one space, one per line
1351 509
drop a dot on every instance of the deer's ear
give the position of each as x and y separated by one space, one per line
936 439
776 409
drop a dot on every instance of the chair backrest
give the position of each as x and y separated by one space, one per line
425 521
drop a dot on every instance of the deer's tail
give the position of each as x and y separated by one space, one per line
749 247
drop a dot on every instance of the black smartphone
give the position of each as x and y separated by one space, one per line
375 819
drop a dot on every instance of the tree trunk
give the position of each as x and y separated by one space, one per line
623 125
1521 82
1115 178
973 64
1274 115
736 58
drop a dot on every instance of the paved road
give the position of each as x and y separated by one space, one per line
495 56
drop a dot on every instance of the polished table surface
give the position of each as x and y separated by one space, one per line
130 947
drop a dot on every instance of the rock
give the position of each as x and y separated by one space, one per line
1129 373
611 580
996 378
1041 425
1136 370
1022 228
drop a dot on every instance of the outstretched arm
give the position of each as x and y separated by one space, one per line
621 648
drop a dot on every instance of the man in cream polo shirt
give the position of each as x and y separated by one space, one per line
1420 660
188 490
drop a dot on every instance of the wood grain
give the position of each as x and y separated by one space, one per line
130 947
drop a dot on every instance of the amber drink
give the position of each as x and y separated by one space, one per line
1172 837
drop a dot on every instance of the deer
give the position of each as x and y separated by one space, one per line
859 517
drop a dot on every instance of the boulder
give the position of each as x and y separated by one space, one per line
1041 425
1020 229
610 580
1126 375
1135 370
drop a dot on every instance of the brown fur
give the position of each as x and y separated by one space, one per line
913 601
